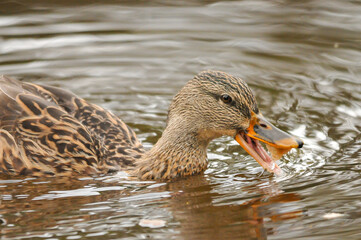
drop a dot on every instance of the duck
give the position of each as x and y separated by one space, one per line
47 131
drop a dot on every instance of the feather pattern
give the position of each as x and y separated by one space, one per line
50 131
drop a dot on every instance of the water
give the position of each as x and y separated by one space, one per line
302 59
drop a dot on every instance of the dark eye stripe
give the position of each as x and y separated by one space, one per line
226 98
239 106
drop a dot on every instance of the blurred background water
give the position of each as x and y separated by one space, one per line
301 58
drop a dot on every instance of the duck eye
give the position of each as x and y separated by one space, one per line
226 98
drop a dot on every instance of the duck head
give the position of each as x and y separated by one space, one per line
214 104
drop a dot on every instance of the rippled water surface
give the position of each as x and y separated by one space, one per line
303 61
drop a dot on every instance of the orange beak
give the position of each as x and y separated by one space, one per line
262 130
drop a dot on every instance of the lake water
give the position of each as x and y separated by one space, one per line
301 58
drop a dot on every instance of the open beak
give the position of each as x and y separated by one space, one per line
262 130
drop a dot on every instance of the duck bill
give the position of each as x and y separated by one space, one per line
260 130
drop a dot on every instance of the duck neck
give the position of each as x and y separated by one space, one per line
177 153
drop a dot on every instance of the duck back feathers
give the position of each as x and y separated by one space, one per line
50 131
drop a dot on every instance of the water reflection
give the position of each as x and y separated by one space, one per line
200 218
36 215
191 202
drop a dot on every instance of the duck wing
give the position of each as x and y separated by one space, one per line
50 131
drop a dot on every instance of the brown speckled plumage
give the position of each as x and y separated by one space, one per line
47 131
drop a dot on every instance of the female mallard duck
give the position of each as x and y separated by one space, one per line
47 131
